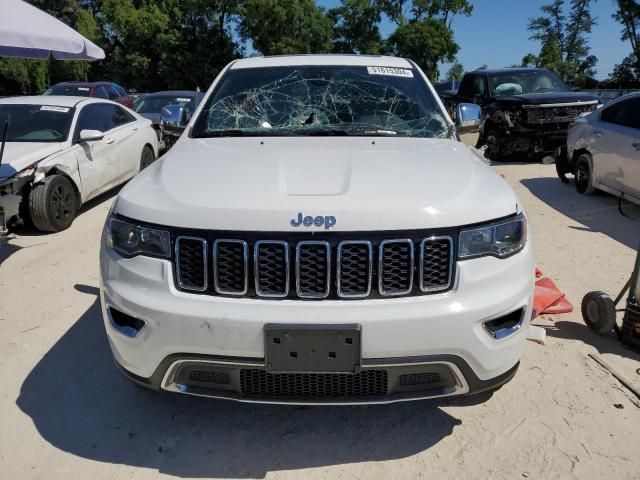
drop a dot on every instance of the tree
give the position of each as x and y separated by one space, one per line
628 14
277 27
564 46
424 31
455 72
357 27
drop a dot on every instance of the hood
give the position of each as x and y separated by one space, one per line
547 97
261 184
19 155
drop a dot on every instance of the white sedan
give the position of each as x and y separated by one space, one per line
58 152
603 149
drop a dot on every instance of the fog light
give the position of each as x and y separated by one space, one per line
125 324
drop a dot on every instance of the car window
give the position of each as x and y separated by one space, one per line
112 93
625 113
69 90
115 116
90 118
36 123
517 82
100 92
155 103
121 91
467 85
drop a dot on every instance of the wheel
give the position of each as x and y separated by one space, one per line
599 312
53 204
147 157
493 139
584 175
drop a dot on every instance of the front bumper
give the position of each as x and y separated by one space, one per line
442 333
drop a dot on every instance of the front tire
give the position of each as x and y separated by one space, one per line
584 175
147 157
53 204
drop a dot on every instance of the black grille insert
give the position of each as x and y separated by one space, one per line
272 268
396 267
191 260
354 269
258 383
435 263
216 378
414 379
230 266
313 269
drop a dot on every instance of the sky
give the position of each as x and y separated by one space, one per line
496 34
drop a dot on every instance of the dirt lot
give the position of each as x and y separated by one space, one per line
67 413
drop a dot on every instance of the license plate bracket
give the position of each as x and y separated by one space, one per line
295 348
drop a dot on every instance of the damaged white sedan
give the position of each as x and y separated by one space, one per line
58 152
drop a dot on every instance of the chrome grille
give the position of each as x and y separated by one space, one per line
557 114
191 263
271 261
435 263
303 268
230 266
313 269
395 267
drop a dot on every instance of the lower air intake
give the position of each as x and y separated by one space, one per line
258 383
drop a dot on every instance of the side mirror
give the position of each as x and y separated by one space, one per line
91 135
174 119
468 117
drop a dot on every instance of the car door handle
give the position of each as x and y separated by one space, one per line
636 146
597 133
109 140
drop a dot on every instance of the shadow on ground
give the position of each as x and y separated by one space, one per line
608 343
80 404
598 213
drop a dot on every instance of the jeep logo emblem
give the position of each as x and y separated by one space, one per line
328 221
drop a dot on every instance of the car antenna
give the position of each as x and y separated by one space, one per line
4 139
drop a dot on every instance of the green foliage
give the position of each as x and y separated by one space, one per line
564 46
628 14
455 72
280 27
19 75
357 27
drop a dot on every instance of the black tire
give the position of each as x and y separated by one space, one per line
53 204
147 157
584 175
493 140
599 312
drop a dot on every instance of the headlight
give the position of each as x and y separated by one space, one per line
129 239
500 239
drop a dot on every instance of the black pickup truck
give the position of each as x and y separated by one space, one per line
526 110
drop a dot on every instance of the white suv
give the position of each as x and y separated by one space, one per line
318 235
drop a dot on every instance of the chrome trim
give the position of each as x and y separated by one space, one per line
504 332
380 260
327 248
256 247
206 268
116 327
339 268
168 384
567 104
450 266
245 255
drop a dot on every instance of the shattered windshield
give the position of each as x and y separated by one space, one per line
353 100
534 81
36 123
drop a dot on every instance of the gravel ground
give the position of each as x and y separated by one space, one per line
67 413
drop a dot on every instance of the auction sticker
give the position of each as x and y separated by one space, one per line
52 108
391 71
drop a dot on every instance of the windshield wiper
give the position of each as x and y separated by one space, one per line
322 132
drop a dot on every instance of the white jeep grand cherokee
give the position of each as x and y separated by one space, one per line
318 235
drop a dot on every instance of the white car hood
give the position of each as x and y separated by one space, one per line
19 155
260 184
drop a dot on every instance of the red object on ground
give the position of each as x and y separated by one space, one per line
548 297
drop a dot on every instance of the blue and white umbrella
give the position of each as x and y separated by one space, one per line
27 32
